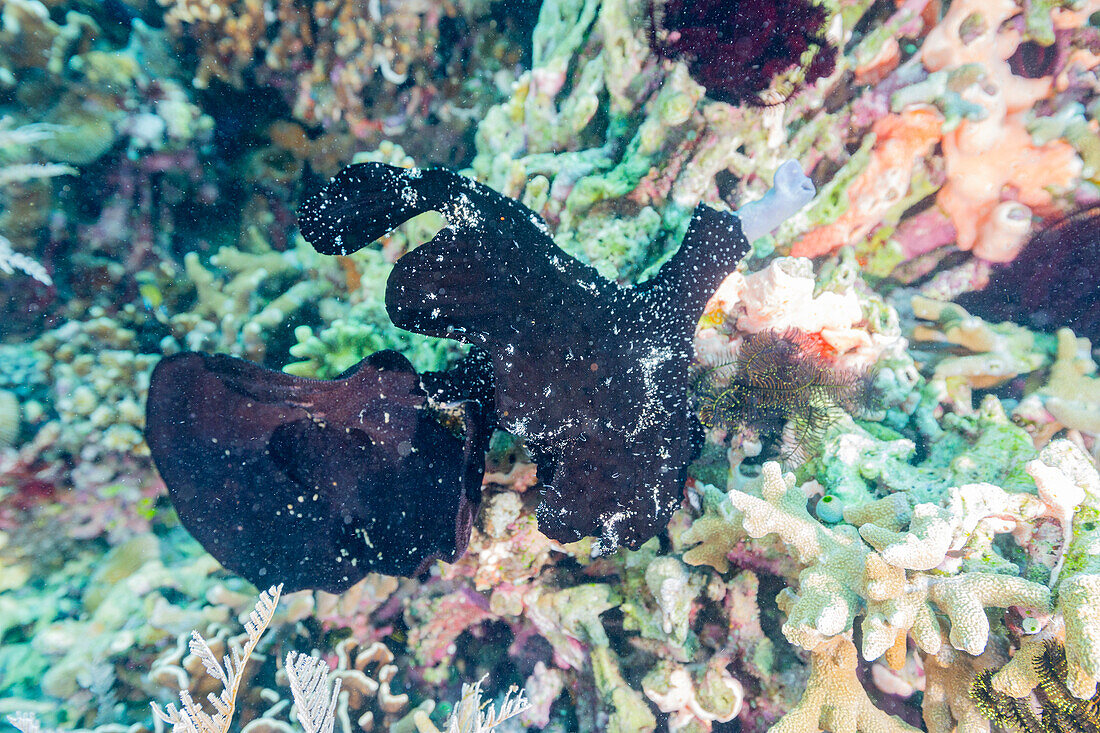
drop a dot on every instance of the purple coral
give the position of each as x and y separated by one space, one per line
735 49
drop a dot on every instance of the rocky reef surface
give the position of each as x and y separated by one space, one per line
930 562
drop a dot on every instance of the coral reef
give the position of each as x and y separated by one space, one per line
389 68
929 563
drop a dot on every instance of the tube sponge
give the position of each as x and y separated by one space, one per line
791 191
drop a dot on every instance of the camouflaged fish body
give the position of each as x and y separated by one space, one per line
592 375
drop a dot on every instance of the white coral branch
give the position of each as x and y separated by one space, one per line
472 716
10 261
25 722
32 171
314 705
190 717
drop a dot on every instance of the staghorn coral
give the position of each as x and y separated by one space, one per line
1072 394
245 295
834 699
357 326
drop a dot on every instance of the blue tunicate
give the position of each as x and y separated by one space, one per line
830 509
793 189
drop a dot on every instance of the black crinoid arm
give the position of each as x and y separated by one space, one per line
592 375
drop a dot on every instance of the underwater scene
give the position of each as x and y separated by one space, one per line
423 366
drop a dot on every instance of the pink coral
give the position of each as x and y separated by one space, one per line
987 162
782 296
437 622
901 140
996 175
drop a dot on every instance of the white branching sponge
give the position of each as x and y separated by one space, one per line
190 717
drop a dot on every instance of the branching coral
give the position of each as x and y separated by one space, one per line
1060 709
835 700
882 571
15 142
999 351
245 295
360 70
